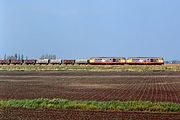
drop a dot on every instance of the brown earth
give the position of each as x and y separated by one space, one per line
101 86
46 114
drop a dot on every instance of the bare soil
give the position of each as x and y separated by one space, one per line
46 114
100 86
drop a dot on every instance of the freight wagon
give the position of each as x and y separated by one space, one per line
81 61
16 62
42 61
55 61
4 62
68 62
29 62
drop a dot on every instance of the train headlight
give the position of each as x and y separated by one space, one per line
123 61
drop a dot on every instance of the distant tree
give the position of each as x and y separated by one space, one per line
42 57
11 57
19 57
5 57
26 57
48 56
22 57
16 56
54 57
8 58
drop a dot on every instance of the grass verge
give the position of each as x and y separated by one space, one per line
97 68
91 105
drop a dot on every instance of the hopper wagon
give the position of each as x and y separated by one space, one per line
29 62
81 61
42 61
4 62
68 62
16 62
55 61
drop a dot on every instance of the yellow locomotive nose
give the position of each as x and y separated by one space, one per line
129 61
91 61
160 61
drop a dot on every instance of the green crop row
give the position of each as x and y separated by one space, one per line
89 68
91 105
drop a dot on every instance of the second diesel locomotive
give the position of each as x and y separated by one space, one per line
145 61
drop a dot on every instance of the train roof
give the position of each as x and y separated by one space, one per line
146 57
105 57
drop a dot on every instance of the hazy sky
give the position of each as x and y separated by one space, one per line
88 28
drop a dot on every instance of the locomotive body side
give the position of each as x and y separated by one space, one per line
107 61
145 61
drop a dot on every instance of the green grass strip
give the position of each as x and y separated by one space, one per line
91 105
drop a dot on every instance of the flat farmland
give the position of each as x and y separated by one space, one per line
101 86
90 86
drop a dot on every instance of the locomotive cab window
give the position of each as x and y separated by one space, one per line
153 60
114 60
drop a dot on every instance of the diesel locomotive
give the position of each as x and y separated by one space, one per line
107 61
145 61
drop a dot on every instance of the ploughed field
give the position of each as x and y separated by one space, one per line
99 86
46 114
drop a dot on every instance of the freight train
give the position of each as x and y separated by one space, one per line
91 61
